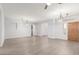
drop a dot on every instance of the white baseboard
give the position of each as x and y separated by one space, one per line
18 37
57 38
28 36
42 35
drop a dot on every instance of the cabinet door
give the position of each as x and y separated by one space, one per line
73 31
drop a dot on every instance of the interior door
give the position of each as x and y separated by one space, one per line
73 31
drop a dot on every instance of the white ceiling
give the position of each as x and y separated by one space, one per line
35 12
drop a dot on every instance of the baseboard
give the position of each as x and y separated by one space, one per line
57 38
28 36
43 35
19 37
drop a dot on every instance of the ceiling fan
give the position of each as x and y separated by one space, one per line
46 5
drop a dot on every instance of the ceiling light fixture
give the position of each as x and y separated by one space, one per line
62 14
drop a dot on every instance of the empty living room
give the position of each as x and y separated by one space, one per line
39 28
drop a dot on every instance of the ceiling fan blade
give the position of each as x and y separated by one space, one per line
46 6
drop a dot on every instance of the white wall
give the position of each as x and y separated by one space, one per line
51 28
13 30
57 30
42 29
0 27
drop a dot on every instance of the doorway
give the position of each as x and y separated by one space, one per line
73 29
31 30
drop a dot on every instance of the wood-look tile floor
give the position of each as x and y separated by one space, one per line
39 46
